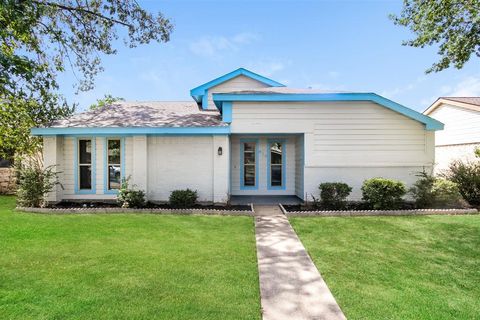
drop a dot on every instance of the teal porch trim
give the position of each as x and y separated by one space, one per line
430 123
242 162
284 165
105 163
129 131
76 187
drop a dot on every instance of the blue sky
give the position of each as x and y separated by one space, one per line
331 45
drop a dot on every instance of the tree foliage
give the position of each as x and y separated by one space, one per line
452 25
41 38
107 99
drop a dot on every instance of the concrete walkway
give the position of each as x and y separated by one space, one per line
290 285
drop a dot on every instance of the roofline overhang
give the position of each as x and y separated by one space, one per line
197 93
441 101
126 131
430 123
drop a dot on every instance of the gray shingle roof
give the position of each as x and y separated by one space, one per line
470 100
145 114
283 90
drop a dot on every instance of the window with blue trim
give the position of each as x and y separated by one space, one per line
85 164
249 164
114 164
276 164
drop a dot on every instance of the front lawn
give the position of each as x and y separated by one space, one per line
120 266
398 267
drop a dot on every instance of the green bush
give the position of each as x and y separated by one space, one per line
383 194
466 174
333 195
183 198
431 192
129 197
34 183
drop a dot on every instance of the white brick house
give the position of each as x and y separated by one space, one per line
242 134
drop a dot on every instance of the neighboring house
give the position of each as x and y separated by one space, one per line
243 134
461 116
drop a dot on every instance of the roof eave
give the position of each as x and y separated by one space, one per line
430 123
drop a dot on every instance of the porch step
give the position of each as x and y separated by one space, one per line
267 210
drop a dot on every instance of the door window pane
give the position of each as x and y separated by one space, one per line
114 164
276 164
85 151
85 177
249 164
249 176
114 151
114 177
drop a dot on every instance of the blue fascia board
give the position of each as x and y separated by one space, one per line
197 93
227 112
430 123
126 131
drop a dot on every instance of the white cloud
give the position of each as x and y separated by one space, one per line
267 67
213 46
393 92
470 86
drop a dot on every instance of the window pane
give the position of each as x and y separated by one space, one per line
249 158
114 177
249 146
276 153
85 177
249 176
276 176
85 151
114 151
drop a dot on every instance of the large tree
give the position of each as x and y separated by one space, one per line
41 38
452 25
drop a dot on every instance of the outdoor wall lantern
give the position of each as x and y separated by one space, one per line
220 151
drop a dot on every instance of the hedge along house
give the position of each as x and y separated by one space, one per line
242 135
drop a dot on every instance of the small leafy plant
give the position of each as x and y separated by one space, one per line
383 194
129 196
34 183
183 198
333 195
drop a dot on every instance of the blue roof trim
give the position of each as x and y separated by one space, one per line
131 131
430 123
198 92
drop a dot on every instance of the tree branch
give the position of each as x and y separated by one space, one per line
74 9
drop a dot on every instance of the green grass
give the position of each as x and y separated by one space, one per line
398 267
122 266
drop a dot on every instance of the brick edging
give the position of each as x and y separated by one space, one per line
414 212
219 212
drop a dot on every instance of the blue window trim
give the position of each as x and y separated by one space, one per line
199 93
284 165
430 123
242 162
76 181
128 131
105 163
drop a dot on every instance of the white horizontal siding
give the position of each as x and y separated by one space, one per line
341 133
444 155
461 125
238 83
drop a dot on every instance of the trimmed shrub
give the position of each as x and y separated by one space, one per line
466 174
431 192
34 183
183 198
383 194
129 197
333 195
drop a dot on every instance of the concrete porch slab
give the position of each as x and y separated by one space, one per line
267 200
